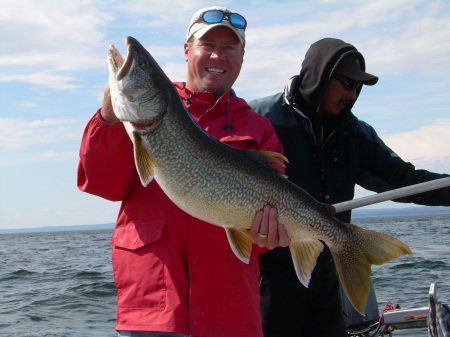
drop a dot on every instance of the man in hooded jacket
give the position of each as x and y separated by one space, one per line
329 152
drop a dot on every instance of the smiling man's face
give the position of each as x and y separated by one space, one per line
214 61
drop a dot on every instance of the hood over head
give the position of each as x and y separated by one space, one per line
350 67
323 58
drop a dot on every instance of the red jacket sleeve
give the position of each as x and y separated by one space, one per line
106 167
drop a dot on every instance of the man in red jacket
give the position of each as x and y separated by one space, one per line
176 275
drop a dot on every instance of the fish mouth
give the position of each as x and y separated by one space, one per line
123 71
122 80
121 67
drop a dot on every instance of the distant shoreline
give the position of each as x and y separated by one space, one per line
357 213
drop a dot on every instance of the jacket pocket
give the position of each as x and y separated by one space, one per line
137 235
138 258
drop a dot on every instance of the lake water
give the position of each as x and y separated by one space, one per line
61 283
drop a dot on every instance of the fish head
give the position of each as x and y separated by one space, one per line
138 85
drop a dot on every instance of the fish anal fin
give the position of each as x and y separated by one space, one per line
144 163
304 255
354 259
240 244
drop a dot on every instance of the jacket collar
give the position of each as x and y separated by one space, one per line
203 105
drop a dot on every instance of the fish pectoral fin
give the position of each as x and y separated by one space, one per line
240 244
270 157
144 163
305 254
356 254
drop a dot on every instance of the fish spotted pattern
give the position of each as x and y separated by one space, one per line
226 186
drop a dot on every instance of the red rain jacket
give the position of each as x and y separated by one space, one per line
173 272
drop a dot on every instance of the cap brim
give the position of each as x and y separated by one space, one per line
207 27
360 76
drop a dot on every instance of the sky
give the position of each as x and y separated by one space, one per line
53 71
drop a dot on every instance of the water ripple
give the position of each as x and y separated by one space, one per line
61 283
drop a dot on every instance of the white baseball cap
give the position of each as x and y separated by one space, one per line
208 18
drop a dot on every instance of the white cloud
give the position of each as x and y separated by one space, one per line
265 73
44 79
396 37
56 60
26 104
422 47
326 20
427 141
56 156
175 71
19 134
427 148
49 36
161 12
167 53
52 25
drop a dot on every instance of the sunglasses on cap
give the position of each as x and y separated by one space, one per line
347 83
216 16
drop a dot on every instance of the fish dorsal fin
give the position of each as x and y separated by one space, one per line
330 208
304 255
144 163
270 157
240 244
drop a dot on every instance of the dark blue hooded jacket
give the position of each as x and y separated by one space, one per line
328 158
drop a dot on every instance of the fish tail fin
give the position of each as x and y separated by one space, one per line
355 256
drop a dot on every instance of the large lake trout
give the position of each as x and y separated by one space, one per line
226 186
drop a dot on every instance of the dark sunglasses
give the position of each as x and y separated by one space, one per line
216 16
347 83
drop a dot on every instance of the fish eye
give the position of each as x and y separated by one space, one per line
142 63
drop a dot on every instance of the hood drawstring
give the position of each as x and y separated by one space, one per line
228 127
188 100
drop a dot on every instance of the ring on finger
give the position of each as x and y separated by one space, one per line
262 235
